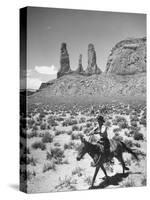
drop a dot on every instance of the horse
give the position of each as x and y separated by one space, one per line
117 148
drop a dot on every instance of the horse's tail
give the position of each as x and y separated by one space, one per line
129 150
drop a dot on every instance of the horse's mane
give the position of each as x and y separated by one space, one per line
95 148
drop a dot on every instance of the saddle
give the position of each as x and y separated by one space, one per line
105 152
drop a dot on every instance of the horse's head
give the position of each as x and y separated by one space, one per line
82 148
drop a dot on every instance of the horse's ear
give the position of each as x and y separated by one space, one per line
82 138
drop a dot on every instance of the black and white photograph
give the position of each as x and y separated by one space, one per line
82 100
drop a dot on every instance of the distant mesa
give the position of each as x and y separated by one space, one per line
92 67
127 57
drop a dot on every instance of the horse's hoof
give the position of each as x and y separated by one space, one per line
90 188
105 178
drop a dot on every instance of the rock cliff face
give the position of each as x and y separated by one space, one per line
92 67
127 57
64 61
79 88
125 75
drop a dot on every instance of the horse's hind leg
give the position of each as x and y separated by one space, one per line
95 174
102 167
120 158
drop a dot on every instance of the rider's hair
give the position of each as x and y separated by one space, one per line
100 118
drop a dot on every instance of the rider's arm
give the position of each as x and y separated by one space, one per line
94 131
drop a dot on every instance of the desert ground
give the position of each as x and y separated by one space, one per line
53 138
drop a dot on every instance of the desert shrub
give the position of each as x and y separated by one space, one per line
75 136
138 136
35 127
77 171
48 166
128 162
27 150
114 122
127 134
39 145
60 119
66 183
134 118
57 154
81 127
47 138
75 128
123 124
31 161
43 126
91 120
30 174
137 145
118 138
129 143
82 120
120 119
134 130
57 144
143 121
42 115
57 132
133 123
70 145
109 166
87 131
69 122
93 139
30 123
108 124
88 125
88 180
65 161
69 132
48 156
144 181
116 130
52 122
32 134
129 183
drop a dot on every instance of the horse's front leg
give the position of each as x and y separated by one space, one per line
95 174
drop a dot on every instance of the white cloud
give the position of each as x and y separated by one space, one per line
46 70
26 73
33 83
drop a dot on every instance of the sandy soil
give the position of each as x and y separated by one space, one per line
71 174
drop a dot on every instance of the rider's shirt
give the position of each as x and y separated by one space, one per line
103 132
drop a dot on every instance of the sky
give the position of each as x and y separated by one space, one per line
47 28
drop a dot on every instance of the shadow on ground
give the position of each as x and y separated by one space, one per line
112 180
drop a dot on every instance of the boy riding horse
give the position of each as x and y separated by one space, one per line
103 143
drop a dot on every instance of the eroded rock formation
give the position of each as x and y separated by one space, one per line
92 67
64 61
127 57
80 67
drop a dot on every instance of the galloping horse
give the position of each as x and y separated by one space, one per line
116 150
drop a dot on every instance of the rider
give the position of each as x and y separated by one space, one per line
102 131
